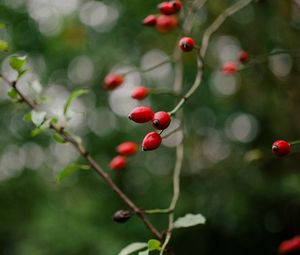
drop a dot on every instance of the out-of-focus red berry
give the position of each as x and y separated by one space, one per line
127 148
229 67
243 56
289 245
118 163
165 23
140 93
113 81
150 20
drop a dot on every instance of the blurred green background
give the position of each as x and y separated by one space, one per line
251 199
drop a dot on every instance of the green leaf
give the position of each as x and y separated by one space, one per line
57 138
68 170
22 72
2 26
27 117
189 220
13 94
54 120
17 63
37 131
72 97
146 252
129 249
153 245
3 46
38 117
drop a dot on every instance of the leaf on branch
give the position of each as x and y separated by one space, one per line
37 131
189 220
72 97
27 117
68 170
129 249
13 94
38 117
146 252
17 63
3 46
153 245
57 137
54 120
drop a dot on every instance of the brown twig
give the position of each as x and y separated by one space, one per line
92 162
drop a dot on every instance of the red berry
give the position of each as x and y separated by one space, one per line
113 81
186 44
289 245
166 8
140 93
166 23
161 120
151 141
118 163
281 148
243 56
229 67
127 148
141 114
149 20
177 5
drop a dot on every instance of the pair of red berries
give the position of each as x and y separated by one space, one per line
160 120
281 148
124 149
231 67
166 21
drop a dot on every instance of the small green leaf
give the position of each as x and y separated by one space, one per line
57 138
72 97
38 117
12 93
2 26
3 46
37 131
68 170
17 63
27 117
54 120
131 248
22 72
146 252
153 245
189 220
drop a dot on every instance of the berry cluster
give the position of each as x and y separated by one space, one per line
231 67
160 120
124 149
167 19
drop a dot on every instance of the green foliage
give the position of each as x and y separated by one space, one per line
154 245
70 169
131 248
57 137
72 97
189 220
13 94
17 63
3 46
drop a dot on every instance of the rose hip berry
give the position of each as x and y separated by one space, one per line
161 120
166 8
113 81
151 141
177 5
140 93
150 20
141 114
166 23
288 246
186 44
127 148
229 68
243 56
118 163
281 148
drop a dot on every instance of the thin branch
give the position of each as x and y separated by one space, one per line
201 53
91 161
